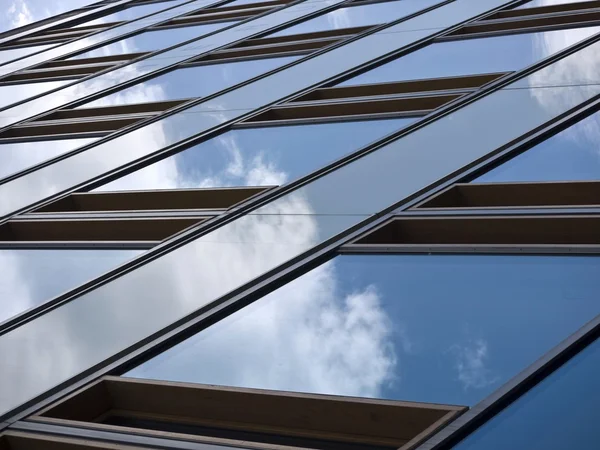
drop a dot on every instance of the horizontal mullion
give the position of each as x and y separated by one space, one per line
354 249
337 33
31 129
122 214
119 110
433 86
333 119
114 229
528 195
345 108
558 8
571 19
77 245
96 60
517 230
164 199
202 18
270 50
536 16
76 71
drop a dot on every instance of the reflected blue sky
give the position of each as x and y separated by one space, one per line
566 402
149 41
29 278
9 55
21 155
18 13
257 156
191 82
572 154
131 13
434 328
13 93
357 16
474 56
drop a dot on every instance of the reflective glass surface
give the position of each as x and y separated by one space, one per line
21 155
29 278
149 41
191 82
21 13
473 56
358 16
9 55
558 413
13 93
257 156
378 326
133 71
569 155
131 13
102 36
536 3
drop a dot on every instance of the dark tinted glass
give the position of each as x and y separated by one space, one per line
191 82
558 413
21 155
569 155
433 328
473 56
257 156
29 278
358 16
149 41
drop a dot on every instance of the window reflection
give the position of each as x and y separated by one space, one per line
257 156
378 326
536 3
29 278
152 40
474 56
9 55
23 13
569 155
358 16
21 155
13 93
191 82
131 13
566 403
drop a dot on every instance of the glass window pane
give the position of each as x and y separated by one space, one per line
357 16
566 402
536 3
257 156
131 13
432 328
152 40
9 55
13 93
22 13
191 82
571 154
21 155
474 56
29 278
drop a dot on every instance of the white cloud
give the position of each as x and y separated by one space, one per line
471 359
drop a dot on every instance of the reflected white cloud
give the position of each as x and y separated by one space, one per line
471 364
306 336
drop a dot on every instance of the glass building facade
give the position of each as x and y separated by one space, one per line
283 224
